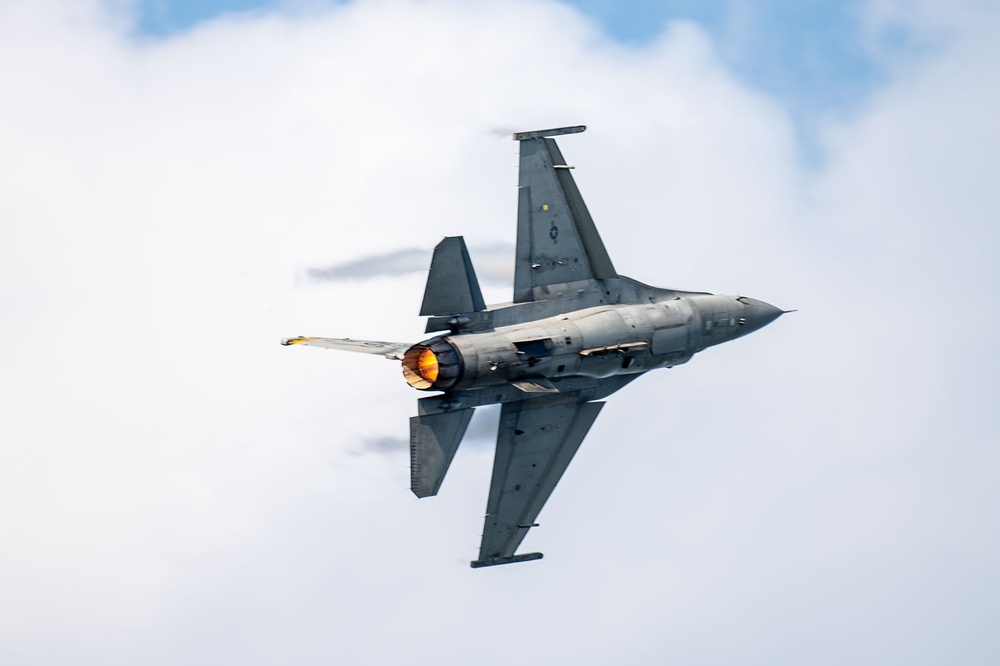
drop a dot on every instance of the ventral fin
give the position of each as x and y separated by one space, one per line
535 385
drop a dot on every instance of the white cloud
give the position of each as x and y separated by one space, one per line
175 486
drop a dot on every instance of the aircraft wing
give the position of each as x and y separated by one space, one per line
557 240
536 440
391 350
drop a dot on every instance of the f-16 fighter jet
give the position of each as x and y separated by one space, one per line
575 333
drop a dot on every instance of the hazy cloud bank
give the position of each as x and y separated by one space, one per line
176 487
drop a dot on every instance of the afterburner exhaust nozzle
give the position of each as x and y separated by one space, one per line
432 365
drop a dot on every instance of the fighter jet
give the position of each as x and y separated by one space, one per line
575 332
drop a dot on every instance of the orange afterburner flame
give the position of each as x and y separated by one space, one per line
427 366
420 367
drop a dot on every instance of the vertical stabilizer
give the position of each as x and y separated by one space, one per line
452 287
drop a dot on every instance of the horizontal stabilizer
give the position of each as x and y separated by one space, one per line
493 561
452 287
434 438
391 350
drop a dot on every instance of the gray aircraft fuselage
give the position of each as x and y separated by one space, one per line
654 328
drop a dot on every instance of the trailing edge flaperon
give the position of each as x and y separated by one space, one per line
575 333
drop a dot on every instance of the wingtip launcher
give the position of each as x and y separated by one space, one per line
494 561
557 131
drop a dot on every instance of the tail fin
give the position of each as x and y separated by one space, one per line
452 287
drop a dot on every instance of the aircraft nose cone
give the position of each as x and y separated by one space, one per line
758 314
